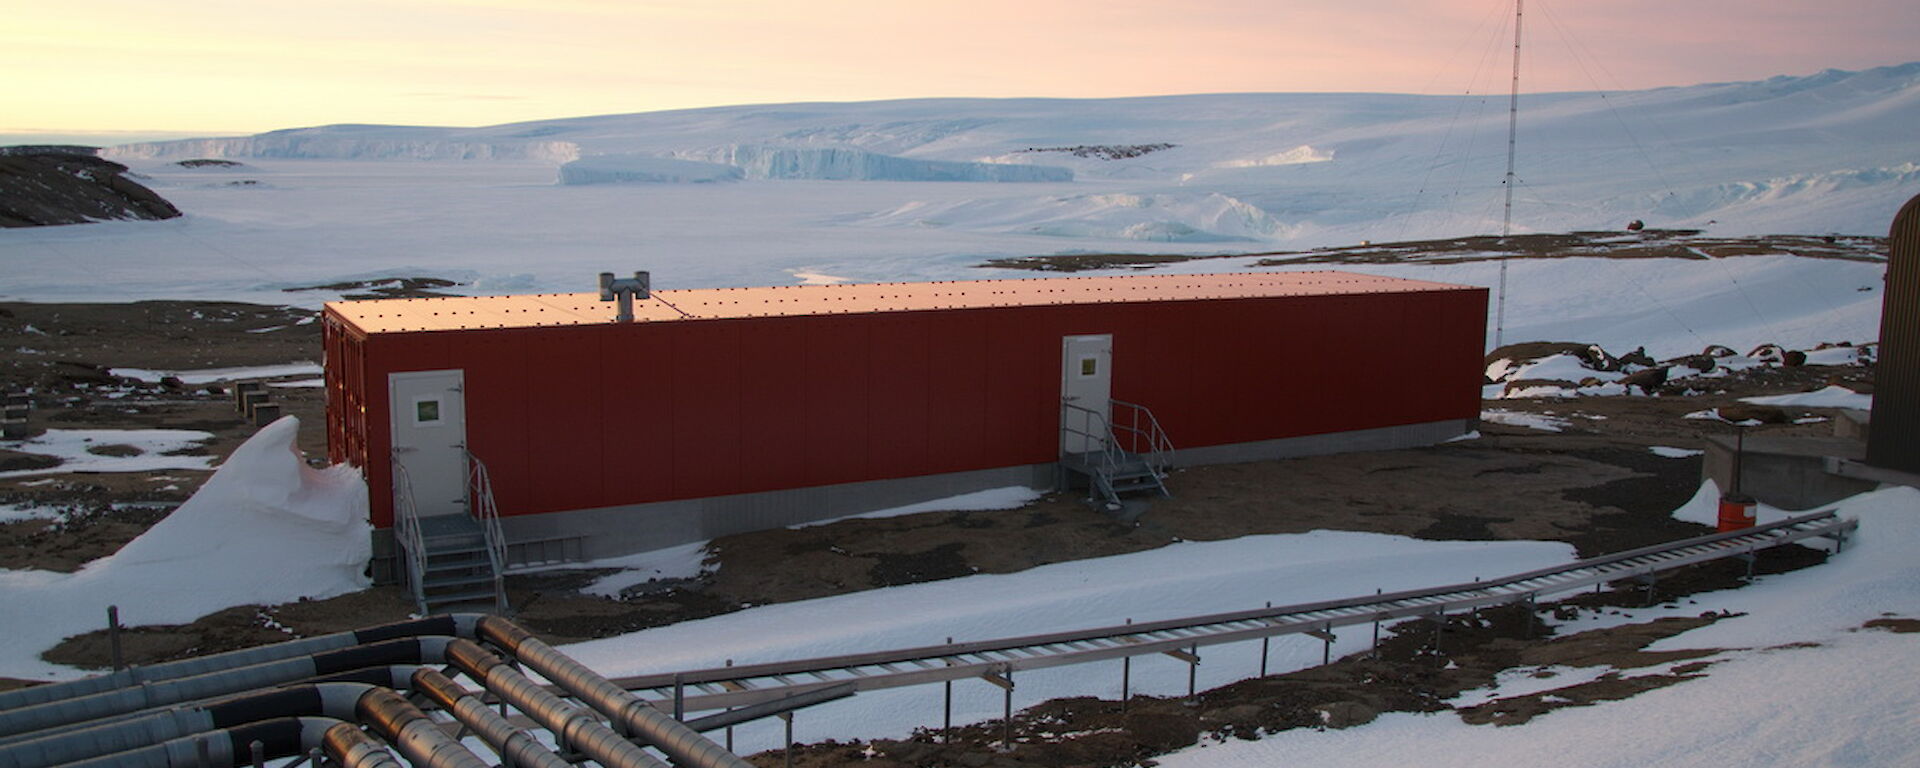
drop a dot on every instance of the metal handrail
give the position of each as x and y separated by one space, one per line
406 528
1140 435
481 506
1147 439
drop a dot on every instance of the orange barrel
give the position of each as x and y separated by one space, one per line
1736 512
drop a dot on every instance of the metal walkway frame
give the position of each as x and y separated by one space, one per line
995 660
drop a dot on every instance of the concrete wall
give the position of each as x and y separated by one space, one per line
1786 472
592 534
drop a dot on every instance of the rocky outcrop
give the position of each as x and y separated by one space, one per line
65 187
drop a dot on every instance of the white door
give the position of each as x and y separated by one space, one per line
429 416
1086 385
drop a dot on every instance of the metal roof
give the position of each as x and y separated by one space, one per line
545 309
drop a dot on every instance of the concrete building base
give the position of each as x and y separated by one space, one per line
1791 473
593 534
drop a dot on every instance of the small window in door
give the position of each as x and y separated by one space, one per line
1089 366
426 411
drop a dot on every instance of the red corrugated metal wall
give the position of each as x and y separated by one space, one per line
590 416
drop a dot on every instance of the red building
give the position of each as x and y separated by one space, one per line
723 410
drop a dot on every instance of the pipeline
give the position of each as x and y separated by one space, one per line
451 625
332 700
684 745
397 676
572 727
390 715
150 695
517 748
412 732
232 747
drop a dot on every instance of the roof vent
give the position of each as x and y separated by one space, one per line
625 290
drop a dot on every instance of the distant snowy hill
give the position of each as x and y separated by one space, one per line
1834 151
934 189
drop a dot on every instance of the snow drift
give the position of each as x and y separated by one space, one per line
265 529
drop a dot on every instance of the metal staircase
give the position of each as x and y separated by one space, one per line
1118 455
452 559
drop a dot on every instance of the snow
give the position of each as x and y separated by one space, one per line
1182 579
1667 452
1834 356
356 202
1830 397
264 529
836 193
615 169
150 449
14 513
1010 497
847 164
1563 367
211 375
1543 422
686 561
1799 682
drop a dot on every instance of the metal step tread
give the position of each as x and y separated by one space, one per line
454 580
467 596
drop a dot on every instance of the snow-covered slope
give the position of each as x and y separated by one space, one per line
1802 154
839 192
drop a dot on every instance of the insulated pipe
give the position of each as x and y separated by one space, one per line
516 747
231 748
334 700
575 729
397 676
412 732
415 735
353 749
150 695
452 625
686 746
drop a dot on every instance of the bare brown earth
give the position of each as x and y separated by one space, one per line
1594 485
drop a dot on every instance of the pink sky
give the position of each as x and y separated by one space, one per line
254 65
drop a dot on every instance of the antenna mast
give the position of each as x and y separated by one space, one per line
1506 220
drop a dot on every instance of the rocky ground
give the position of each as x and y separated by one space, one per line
1594 484
49 185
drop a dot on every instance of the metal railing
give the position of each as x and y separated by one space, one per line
406 530
751 684
481 506
1108 444
1136 431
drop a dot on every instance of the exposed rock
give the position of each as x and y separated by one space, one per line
40 189
1647 380
1765 414
1523 384
1590 355
207 162
1701 363
1718 350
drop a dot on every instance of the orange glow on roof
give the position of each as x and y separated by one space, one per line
474 312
